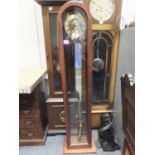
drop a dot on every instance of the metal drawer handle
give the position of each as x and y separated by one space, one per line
30 134
62 116
28 122
26 111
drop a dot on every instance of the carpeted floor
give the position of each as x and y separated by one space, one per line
54 146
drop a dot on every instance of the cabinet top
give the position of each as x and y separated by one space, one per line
29 78
51 2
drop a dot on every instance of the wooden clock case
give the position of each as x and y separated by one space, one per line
55 103
55 106
115 18
108 28
86 79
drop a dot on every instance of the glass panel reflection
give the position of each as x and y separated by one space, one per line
55 52
102 49
74 33
55 57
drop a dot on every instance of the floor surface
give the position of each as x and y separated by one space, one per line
54 146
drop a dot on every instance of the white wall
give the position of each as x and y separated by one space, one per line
127 12
126 64
32 49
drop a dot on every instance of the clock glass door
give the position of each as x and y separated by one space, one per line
55 54
74 30
102 51
75 52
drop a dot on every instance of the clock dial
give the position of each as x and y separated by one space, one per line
101 10
75 26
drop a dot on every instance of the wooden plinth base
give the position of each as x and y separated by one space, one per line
92 149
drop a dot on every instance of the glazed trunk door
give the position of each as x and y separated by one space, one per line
75 49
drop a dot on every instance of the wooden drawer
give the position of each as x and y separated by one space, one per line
32 117
27 102
30 134
29 112
56 115
30 123
31 100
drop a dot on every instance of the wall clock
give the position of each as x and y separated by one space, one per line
75 43
104 11
101 10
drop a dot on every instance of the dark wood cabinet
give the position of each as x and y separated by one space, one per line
56 117
51 2
32 117
128 101
54 107
49 12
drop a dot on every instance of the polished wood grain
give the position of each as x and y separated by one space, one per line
128 106
32 117
56 116
101 108
105 27
91 149
53 9
113 67
51 2
30 123
39 140
127 152
46 25
118 12
46 12
89 66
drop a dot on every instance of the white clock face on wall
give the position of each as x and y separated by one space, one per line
101 10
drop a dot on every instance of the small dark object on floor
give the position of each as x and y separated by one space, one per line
106 134
109 146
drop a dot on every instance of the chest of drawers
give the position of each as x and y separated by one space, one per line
33 123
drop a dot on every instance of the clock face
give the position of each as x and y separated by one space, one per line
101 10
75 26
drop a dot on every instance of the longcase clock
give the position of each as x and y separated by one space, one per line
75 43
55 106
105 26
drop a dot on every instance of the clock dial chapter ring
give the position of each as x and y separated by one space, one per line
101 10
75 26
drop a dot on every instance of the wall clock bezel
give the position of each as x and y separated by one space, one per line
102 10
114 19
